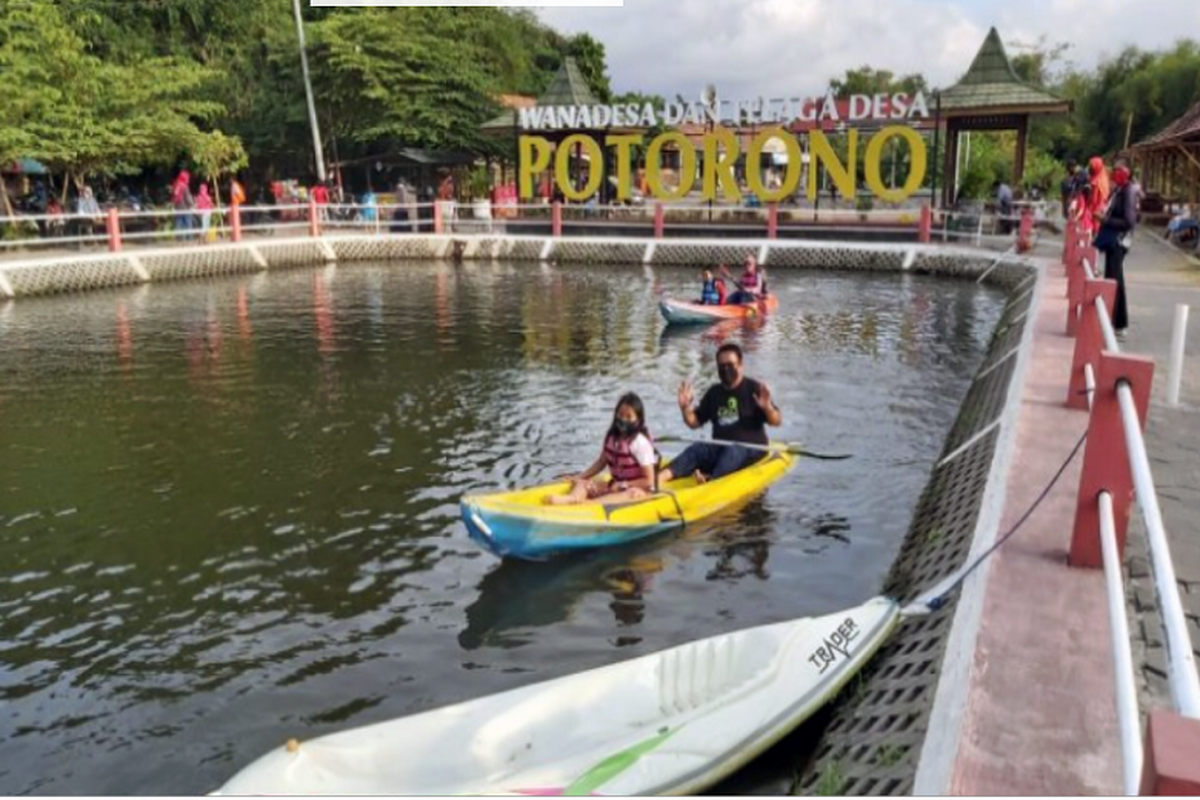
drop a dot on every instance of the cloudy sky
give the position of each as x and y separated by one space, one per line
783 48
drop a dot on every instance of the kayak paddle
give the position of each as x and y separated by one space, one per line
787 447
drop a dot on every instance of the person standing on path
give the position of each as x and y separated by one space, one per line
1115 238
1099 191
183 202
204 205
739 409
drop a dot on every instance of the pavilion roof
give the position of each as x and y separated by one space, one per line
569 88
1186 127
991 83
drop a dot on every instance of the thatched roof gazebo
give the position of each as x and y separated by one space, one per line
1170 159
568 89
990 97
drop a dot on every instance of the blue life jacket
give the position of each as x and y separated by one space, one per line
711 295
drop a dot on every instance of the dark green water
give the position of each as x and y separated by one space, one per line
228 509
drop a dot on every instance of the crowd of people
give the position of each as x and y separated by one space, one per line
1105 204
200 206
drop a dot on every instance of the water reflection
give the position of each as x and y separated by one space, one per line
124 339
250 530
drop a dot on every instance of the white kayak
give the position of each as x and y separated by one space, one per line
672 722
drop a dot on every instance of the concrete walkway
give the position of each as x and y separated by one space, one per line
1158 277
1038 716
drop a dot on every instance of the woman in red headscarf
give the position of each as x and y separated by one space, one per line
1116 236
1098 195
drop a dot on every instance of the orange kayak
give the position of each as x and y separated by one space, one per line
679 312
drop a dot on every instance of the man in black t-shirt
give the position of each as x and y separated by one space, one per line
739 409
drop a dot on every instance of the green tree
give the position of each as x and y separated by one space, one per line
89 115
413 76
867 80
589 57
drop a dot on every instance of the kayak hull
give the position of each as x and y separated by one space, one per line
679 312
519 524
672 722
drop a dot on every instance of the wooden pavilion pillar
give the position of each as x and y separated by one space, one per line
1019 160
950 165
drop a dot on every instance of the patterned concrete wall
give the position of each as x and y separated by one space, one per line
833 256
72 275
79 273
200 262
599 252
296 253
686 254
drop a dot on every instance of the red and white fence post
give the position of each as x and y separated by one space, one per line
1025 231
925 232
660 220
1106 456
1170 765
314 220
773 221
556 212
113 225
235 221
1089 339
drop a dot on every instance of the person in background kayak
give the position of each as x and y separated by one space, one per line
752 284
739 409
628 455
713 293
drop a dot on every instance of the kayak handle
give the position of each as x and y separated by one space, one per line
483 527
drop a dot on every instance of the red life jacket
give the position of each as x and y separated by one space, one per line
622 466
748 281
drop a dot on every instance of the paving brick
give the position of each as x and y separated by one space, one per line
1152 633
1155 680
1139 567
1144 598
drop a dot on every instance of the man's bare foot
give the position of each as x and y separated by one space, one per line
558 500
700 477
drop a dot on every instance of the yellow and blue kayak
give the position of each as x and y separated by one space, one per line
520 525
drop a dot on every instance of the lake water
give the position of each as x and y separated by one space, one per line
228 508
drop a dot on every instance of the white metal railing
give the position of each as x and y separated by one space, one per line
167 225
1181 665
1182 678
1126 687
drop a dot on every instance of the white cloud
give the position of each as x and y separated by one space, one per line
791 47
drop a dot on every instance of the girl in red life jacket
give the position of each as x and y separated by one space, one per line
628 455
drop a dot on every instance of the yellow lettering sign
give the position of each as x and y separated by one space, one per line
622 145
534 157
843 176
874 156
687 166
791 173
562 167
719 167
720 157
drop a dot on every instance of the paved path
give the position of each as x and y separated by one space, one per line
1158 277
1037 717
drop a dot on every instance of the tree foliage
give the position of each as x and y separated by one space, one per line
112 86
81 114
866 80
417 77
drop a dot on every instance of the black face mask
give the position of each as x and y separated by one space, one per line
625 427
728 374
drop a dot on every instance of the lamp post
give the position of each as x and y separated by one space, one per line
312 108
